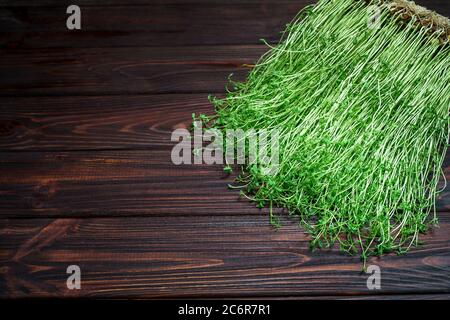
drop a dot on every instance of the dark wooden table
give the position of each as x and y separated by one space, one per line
86 177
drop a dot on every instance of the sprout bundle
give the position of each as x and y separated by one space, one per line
362 114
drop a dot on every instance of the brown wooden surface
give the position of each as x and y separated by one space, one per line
93 71
197 256
86 176
149 25
101 122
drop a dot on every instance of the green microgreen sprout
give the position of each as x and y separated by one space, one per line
227 169
363 122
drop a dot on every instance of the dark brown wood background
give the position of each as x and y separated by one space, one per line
86 176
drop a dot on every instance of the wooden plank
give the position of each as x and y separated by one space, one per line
106 3
157 24
209 256
120 183
42 24
124 70
93 123
442 5
390 297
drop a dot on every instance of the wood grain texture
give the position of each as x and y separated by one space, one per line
211 256
124 71
93 123
119 183
42 24
153 24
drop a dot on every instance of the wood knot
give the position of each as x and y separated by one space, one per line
41 194
7 127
